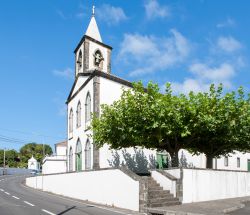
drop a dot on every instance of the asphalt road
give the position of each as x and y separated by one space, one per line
17 199
242 211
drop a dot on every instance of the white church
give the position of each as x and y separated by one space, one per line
95 85
78 160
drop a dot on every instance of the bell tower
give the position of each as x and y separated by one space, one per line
91 53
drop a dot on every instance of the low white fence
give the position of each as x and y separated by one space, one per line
111 187
204 185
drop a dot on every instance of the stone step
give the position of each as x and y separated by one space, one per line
163 199
158 192
163 204
154 188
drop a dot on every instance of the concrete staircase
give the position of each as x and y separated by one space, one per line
157 197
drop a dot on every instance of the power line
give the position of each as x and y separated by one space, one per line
13 140
31 133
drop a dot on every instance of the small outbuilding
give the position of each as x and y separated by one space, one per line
33 164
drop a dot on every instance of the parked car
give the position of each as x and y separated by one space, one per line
34 172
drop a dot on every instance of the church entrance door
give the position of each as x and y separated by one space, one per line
78 156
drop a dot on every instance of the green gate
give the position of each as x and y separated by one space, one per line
162 160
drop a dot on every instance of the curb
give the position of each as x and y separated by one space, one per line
235 208
153 211
169 212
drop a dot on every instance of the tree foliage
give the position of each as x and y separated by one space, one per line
11 158
145 118
212 123
220 123
20 159
36 150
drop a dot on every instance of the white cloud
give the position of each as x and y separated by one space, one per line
110 14
150 54
203 76
228 23
189 85
216 74
228 44
154 10
66 73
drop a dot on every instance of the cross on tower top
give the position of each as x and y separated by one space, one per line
93 10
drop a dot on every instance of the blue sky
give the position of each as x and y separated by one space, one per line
188 43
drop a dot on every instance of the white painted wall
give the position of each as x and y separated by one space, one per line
205 185
80 132
164 182
176 172
79 83
55 164
111 187
200 161
61 150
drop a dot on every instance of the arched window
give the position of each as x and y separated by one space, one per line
98 59
88 108
78 155
88 155
78 115
79 61
71 121
70 159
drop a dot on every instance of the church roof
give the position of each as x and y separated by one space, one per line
64 143
32 159
92 30
91 75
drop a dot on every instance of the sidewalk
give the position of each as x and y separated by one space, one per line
217 207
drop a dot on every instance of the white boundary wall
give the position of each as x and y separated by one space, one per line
111 187
204 185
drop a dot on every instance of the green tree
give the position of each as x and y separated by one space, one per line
212 123
147 118
221 123
34 149
11 158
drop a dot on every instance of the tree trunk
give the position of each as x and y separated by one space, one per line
174 159
209 164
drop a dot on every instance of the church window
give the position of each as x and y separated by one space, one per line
78 115
71 121
78 155
88 108
88 155
70 159
98 59
79 61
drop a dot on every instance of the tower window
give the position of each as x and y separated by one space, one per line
79 61
98 59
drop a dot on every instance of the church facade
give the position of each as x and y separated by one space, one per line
95 85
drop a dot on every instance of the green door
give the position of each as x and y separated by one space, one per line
248 165
78 156
79 161
162 160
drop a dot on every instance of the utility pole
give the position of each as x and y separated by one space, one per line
3 161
